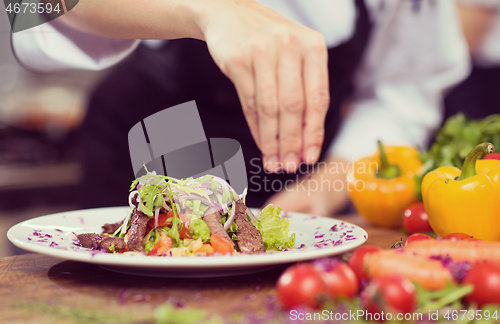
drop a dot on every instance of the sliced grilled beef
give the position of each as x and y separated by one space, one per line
249 237
138 228
107 242
134 200
98 242
111 228
87 239
214 223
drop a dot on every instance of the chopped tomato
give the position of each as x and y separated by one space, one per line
220 245
184 231
163 245
161 220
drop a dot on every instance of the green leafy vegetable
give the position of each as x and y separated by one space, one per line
455 140
434 300
151 239
273 229
174 231
233 227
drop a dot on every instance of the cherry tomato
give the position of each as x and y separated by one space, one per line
301 285
415 219
161 220
311 284
492 156
357 262
457 237
393 294
339 278
486 280
417 237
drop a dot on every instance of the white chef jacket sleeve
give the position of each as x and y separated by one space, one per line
414 55
55 46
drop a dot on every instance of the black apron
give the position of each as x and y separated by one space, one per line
152 80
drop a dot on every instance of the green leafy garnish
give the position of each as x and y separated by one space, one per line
455 140
274 230
151 239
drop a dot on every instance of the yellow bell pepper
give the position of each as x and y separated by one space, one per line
381 191
465 201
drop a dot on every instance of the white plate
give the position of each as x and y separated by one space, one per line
54 235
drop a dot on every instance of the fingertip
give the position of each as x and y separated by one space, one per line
291 162
272 164
312 154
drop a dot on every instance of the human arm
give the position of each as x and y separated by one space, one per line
277 66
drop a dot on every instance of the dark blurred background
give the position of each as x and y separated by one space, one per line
40 159
39 153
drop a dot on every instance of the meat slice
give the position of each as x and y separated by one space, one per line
214 223
111 228
98 242
249 237
107 242
138 228
87 239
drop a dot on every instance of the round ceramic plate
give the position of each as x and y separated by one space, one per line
55 235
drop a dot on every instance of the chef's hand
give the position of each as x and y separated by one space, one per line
279 69
324 193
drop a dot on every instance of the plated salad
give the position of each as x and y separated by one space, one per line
189 217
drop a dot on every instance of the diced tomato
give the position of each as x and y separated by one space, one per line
161 220
184 231
220 245
163 245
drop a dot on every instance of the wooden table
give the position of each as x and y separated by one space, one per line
41 289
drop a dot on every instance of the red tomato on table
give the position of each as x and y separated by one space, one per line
357 261
415 219
311 284
485 278
417 237
492 156
393 294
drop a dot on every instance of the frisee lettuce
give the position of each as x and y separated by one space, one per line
274 230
